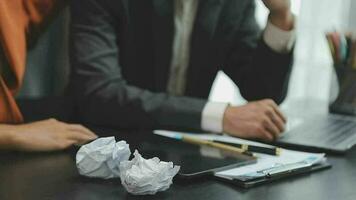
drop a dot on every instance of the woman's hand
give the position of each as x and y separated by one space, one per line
47 135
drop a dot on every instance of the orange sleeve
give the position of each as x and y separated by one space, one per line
17 19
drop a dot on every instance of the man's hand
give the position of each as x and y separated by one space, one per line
256 120
48 135
280 13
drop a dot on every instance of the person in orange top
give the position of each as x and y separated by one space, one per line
20 20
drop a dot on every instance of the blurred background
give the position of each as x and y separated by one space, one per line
311 78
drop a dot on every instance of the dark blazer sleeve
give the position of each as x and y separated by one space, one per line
104 96
258 71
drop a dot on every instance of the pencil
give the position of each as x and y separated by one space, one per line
224 147
353 55
257 149
335 38
331 47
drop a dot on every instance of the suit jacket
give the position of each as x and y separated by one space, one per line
121 52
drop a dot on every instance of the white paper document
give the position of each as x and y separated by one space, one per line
265 162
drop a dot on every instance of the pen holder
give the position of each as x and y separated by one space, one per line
345 98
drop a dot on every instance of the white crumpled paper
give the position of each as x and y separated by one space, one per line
141 177
106 158
101 158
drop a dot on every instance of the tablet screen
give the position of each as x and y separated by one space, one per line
194 160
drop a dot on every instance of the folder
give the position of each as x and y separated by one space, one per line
269 168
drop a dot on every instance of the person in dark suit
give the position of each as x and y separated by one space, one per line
151 63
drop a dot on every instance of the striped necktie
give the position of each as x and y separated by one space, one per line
184 17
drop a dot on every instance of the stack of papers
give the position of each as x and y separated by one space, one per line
265 164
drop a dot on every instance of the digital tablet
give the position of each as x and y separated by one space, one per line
195 161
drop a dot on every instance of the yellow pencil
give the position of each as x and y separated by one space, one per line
331 47
224 147
353 55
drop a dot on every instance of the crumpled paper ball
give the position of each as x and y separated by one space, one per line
101 158
146 176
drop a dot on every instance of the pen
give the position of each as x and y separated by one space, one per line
349 48
224 147
257 149
343 48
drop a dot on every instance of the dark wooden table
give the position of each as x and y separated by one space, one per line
54 176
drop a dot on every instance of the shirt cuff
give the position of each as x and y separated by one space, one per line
277 39
212 117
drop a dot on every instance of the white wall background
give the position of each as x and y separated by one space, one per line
312 72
